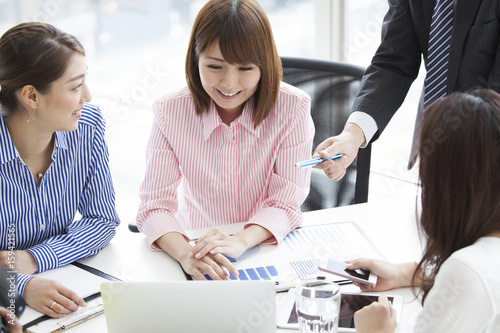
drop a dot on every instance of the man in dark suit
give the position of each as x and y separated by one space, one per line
474 60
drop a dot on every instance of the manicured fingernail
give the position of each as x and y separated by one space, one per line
198 255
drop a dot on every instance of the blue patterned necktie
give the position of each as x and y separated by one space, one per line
438 51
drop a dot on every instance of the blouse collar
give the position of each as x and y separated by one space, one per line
211 119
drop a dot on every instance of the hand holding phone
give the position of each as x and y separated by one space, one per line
339 268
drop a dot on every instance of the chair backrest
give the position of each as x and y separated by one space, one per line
332 87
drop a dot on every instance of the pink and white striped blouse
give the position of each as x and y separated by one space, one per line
229 174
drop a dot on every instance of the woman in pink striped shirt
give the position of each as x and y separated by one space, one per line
232 136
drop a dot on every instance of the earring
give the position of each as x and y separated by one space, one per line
32 118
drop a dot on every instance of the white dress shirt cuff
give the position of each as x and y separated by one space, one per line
367 124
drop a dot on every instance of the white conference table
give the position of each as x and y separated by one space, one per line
389 224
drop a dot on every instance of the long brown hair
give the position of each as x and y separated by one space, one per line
244 34
34 54
460 176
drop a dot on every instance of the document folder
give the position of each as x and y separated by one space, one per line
86 282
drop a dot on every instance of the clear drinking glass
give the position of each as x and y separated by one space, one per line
317 304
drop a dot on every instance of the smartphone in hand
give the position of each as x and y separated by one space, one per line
339 268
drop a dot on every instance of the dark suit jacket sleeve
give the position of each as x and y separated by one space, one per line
394 66
494 80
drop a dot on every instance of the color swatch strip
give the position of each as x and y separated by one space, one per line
253 274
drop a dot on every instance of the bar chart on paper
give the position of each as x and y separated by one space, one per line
335 234
299 254
254 274
338 241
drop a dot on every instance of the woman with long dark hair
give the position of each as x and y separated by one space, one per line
57 202
459 272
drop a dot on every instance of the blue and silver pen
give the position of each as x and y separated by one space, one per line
314 161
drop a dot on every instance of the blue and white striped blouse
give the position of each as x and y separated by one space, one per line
41 219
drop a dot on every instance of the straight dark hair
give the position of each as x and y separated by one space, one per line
34 54
244 34
459 175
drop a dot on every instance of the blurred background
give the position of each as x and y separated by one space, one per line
136 51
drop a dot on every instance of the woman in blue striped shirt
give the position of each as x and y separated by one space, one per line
53 163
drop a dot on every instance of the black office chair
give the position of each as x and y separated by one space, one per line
332 87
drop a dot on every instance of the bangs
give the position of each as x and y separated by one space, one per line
243 33
240 46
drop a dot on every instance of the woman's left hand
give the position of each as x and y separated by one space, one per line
51 298
378 317
216 241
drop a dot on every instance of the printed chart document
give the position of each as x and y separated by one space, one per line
86 284
298 256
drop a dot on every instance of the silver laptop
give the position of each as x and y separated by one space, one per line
190 306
